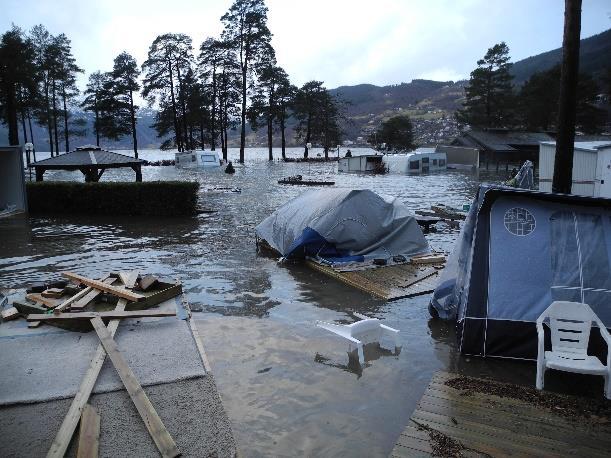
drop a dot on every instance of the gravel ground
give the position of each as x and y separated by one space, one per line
190 409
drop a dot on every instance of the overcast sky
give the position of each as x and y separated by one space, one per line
341 42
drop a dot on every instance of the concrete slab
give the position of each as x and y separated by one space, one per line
190 409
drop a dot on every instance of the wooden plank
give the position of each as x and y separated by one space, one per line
91 296
71 300
517 412
512 423
34 324
54 293
159 433
119 292
68 426
483 441
10 314
113 315
429 259
129 278
47 302
89 433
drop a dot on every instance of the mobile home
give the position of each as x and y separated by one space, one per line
363 164
198 159
591 168
423 160
13 197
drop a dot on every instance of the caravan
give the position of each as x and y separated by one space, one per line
198 159
423 160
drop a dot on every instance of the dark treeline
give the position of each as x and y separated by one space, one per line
199 94
493 101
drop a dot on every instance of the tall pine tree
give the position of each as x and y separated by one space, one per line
489 93
247 33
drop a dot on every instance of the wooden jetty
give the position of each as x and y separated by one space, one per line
386 282
462 416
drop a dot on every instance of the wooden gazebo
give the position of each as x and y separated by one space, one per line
92 161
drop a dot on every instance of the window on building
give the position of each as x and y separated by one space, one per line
434 161
414 165
193 158
442 162
425 160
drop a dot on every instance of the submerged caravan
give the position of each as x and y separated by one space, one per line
339 226
518 252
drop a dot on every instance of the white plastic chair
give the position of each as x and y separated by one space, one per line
570 324
362 332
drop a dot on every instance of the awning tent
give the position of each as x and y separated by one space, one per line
518 252
343 225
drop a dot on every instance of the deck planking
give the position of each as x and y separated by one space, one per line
489 425
389 283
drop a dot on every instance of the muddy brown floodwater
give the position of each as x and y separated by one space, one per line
285 383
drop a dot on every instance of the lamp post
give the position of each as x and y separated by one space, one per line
308 147
338 146
383 146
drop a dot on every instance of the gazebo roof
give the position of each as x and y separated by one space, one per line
88 156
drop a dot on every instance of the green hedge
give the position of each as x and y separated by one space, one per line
151 198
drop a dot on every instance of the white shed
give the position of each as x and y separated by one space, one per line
12 181
591 168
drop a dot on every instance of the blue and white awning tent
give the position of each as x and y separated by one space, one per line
337 226
518 252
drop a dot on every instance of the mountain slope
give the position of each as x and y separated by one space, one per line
594 58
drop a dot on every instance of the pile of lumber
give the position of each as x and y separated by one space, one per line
80 304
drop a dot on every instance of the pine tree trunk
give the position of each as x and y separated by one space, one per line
282 127
270 138
243 115
49 124
565 141
133 119
307 139
201 134
181 100
54 98
213 117
97 126
66 131
31 135
176 126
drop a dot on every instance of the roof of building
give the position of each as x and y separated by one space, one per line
593 146
501 140
88 156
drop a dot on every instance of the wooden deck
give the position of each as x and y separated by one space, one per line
388 282
474 424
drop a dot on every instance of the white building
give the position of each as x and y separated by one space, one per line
591 168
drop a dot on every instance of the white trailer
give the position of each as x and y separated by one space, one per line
422 160
367 163
198 159
591 168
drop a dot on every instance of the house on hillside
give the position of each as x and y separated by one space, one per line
503 146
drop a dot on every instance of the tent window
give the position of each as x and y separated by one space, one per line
580 260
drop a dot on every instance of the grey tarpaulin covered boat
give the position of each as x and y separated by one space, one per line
343 225
518 251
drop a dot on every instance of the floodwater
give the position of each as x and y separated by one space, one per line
285 383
